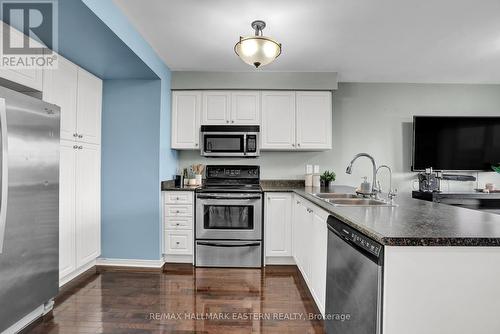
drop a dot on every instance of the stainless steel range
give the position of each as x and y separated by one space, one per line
229 218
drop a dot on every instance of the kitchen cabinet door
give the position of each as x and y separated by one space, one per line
31 78
67 179
60 87
314 120
278 224
88 191
319 256
296 228
302 239
216 108
186 114
89 108
278 120
245 108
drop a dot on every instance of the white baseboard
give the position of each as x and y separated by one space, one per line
29 318
279 260
130 263
76 273
178 258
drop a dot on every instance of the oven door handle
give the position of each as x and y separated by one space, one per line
214 244
227 197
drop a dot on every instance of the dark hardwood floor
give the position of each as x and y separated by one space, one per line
271 300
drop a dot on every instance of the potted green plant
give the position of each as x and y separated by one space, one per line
496 168
328 177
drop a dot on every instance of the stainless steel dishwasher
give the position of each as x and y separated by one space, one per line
354 281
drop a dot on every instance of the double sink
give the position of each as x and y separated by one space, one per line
339 199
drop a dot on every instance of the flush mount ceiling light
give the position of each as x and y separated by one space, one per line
257 50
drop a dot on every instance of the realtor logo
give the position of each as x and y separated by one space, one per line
29 34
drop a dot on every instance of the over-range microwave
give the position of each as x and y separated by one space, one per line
230 141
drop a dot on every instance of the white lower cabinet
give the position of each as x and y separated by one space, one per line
178 217
310 236
79 203
67 201
278 227
88 202
179 242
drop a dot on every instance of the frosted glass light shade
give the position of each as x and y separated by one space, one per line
257 50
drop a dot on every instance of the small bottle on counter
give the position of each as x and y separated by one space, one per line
316 177
309 176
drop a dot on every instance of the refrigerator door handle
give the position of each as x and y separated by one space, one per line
4 172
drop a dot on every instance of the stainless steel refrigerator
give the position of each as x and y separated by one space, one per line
29 205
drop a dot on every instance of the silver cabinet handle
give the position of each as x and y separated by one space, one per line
293 145
309 210
177 224
298 144
298 202
80 136
80 147
75 147
232 121
227 121
196 144
75 134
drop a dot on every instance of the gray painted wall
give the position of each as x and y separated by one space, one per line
254 80
376 118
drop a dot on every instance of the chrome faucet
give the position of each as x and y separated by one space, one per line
392 193
374 191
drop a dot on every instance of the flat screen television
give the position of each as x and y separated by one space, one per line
456 143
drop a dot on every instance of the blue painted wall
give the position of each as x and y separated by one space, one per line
114 18
138 113
87 41
130 146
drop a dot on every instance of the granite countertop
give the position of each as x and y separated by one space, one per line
170 186
412 222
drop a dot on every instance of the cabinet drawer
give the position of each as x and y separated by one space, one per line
179 197
178 210
176 223
178 242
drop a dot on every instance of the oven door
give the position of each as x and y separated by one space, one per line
235 216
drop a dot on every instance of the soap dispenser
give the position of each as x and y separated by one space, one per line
365 187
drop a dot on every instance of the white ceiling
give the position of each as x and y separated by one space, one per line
440 41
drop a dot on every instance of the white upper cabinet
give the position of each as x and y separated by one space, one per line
314 120
60 87
89 108
245 108
79 95
278 120
289 120
216 107
31 78
278 224
186 114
